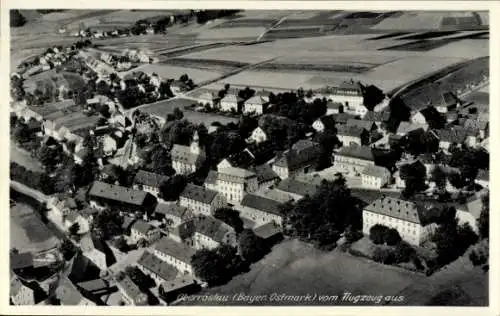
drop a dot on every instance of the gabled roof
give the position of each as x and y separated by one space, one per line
211 177
235 174
474 207
267 230
16 284
346 87
157 266
456 134
261 203
302 152
256 99
117 193
360 152
212 227
94 285
198 193
400 209
131 289
353 131
68 294
149 178
373 116
406 127
178 283
447 99
294 186
328 121
334 105
89 242
368 125
230 98
376 171
341 118
175 249
142 227
264 173
183 154
171 209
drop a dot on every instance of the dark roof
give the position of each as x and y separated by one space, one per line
406 127
67 293
346 87
130 288
198 193
142 226
212 227
211 177
368 125
16 284
267 230
453 135
94 285
342 118
373 116
183 154
127 222
448 99
178 283
360 152
328 121
350 130
302 152
264 173
171 209
117 193
261 152
376 171
21 260
90 242
242 159
297 187
175 249
261 203
400 209
157 266
149 178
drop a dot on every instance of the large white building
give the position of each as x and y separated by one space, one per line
234 183
149 181
354 159
300 159
408 218
375 177
201 200
349 94
255 104
176 254
229 103
258 135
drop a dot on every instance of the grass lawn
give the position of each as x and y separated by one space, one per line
296 268
23 158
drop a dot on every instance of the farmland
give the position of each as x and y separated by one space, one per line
435 20
174 72
222 66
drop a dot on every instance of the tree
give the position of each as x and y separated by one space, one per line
172 188
404 252
178 114
68 249
74 229
143 281
385 256
230 217
142 243
414 177
216 266
439 177
351 235
159 161
22 133
377 233
391 237
50 157
466 161
121 244
16 18
252 247
484 218
107 224
456 180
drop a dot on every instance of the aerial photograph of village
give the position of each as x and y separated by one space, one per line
249 157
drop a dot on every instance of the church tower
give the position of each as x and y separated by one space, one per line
195 144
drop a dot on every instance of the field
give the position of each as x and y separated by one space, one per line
436 20
50 79
174 72
23 158
296 268
28 232
222 66
233 33
238 53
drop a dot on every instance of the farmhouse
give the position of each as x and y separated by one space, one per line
172 212
127 155
131 293
209 232
260 209
300 159
229 103
296 189
375 176
408 218
176 254
334 108
354 159
68 294
62 206
406 127
187 159
364 124
94 250
82 220
256 104
454 136
233 183
171 290
156 268
258 135
206 98
348 93
352 135
149 182
470 213
142 230
447 102
379 118
126 199
201 200
323 123
20 293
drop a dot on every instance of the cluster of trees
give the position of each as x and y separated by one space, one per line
107 224
203 16
36 180
17 87
381 234
420 142
293 106
328 140
16 18
414 176
468 161
282 132
139 90
230 217
323 217
400 252
173 187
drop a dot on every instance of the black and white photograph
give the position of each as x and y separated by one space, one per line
248 157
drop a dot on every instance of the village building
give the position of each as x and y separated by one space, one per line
266 177
260 210
127 156
69 295
206 98
233 183
456 136
157 269
354 159
143 230
363 124
61 206
349 93
20 262
258 135
176 254
323 123
256 105
379 118
426 116
125 199
408 218
334 108
405 128
229 103
470 213
270 232
208 232
173 213
20 292
480 128
296 189
95 250
375 177
149 181
200 199
448 101
131 293
171 290
300 159
82 220
350 135
188 159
